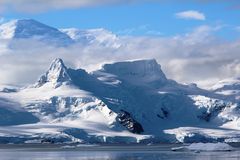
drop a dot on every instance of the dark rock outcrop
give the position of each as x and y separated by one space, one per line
127 121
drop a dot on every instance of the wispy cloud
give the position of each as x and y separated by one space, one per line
191 14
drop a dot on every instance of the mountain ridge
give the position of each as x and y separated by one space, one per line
123 102
106 106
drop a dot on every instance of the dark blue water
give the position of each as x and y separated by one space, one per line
110 153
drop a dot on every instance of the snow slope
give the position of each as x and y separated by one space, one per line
123 102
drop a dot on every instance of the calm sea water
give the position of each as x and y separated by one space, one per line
159 152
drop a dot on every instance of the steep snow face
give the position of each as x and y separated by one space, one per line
228 87
137 72
57 74
216 110
94 36
27 28
61 109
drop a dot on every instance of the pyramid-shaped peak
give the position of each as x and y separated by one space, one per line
57 63
57 74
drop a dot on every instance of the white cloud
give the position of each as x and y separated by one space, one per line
191 14
232 68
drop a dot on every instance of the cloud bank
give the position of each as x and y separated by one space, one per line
196 56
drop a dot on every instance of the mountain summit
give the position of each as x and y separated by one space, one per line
57 74
28 28
139 71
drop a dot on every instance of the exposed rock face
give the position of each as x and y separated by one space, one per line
127 121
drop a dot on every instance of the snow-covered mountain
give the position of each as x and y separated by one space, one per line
123 102
25 29
94 36
31 29
229 87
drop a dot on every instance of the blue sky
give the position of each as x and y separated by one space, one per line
144 18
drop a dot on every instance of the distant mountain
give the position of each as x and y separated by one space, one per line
31 29
123 102
25 29
94 36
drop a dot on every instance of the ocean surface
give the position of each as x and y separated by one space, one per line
108 152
